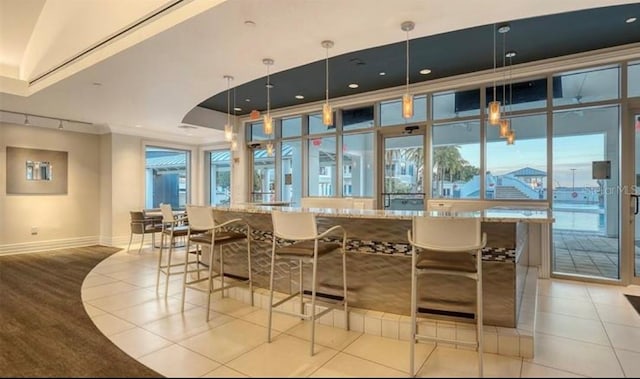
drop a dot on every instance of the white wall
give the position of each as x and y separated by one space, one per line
106 181
62 220
127 183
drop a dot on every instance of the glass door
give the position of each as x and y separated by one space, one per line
586 197
403 167
634 193
264 176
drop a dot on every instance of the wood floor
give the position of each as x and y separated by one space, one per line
44 329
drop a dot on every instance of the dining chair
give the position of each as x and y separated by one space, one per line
141 225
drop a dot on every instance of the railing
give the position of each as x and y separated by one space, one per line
261 197
403 200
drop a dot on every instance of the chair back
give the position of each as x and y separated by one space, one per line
447 234
200 218
294 225
167 212
137 222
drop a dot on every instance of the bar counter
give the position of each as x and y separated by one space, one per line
379 264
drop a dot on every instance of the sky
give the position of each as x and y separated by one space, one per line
571 152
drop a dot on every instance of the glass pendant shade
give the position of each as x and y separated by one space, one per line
511 137
407 98
228 128
228 132
270 149
267 125
327 114
407 105
234 142
505 127
494 113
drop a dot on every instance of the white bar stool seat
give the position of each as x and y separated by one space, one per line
446 246
203 230
300 228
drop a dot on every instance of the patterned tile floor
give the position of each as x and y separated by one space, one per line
587 254
581 330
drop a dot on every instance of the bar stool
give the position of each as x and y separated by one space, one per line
172 227
301 229
203 230
446 246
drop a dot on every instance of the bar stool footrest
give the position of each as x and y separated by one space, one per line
446 340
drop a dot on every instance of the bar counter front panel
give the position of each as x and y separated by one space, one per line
379 261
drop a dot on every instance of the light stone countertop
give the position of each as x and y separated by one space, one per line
494 214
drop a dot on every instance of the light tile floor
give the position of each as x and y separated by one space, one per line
582 330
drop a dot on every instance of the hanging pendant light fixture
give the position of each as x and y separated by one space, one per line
267 125
511 134
269 149
504 122
327 112
228 127
494 106
407 98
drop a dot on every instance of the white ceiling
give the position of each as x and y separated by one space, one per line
151 77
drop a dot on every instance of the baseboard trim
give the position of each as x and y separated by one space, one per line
32 247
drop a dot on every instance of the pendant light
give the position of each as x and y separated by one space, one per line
267 125
494 106
327 112
511 134
504 122
407 98
269 149
228 128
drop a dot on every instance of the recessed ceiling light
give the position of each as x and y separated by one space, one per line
247 100
249 23
382 73
630 20
425 71
138 126
353 85
299 97
510 54
237 109
97 84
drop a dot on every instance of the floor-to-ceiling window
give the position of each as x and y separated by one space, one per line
565 123
321 158
291 153
358 143
218 163
518 171
166 177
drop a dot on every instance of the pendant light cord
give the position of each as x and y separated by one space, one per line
504 65
228 101
268 93
494 62
407 59
326 75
